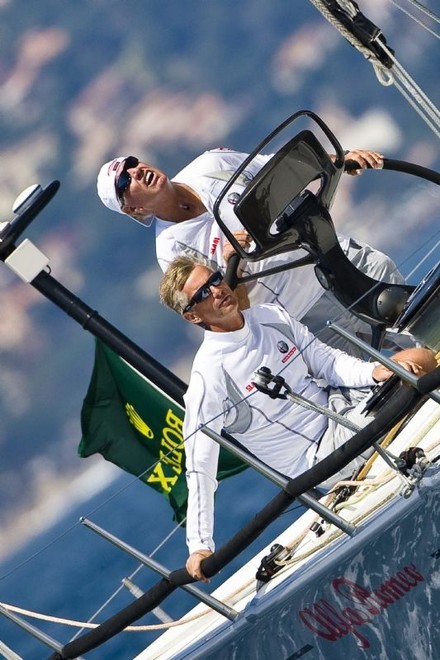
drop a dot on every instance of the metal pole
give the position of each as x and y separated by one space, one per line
340 419
49 287
403 373
110 335
281 481
32 630
8 653
206 598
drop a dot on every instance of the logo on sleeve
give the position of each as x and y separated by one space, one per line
284 349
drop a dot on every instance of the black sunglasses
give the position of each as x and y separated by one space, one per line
124 179
204 291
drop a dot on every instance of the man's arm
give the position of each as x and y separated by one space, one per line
203 405
333 365
339 368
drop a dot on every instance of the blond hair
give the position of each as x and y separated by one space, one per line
174 279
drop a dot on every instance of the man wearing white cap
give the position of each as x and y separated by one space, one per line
185 224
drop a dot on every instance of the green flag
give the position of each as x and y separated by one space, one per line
132 423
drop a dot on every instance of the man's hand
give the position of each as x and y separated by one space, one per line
364 158
381 373
243 239
193 564
418 361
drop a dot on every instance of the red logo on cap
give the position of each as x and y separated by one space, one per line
113 166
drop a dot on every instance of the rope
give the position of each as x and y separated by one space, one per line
425 108
248 587
385 75
121 587
387 476
385 78
83 624
426 105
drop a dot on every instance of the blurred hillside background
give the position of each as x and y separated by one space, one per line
84 81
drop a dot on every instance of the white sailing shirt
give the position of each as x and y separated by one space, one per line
221 395
202 236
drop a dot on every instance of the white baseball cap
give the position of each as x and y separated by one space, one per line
106 184
107 190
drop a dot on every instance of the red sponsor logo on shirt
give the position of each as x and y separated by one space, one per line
289 354
214 244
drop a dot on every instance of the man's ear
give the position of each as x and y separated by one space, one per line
192 318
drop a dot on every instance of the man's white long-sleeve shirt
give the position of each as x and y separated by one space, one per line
221 395
297 291
202 236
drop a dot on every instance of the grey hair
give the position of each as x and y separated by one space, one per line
174 279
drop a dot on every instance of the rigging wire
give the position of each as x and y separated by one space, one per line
424 258
424 10
121 587
425 103
150 468
120 490
35 554
426 110
368 484
416 108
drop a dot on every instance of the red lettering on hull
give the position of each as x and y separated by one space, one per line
331 623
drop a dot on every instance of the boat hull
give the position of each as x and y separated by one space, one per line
373 595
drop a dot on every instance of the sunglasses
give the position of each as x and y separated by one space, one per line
204 291
124 179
